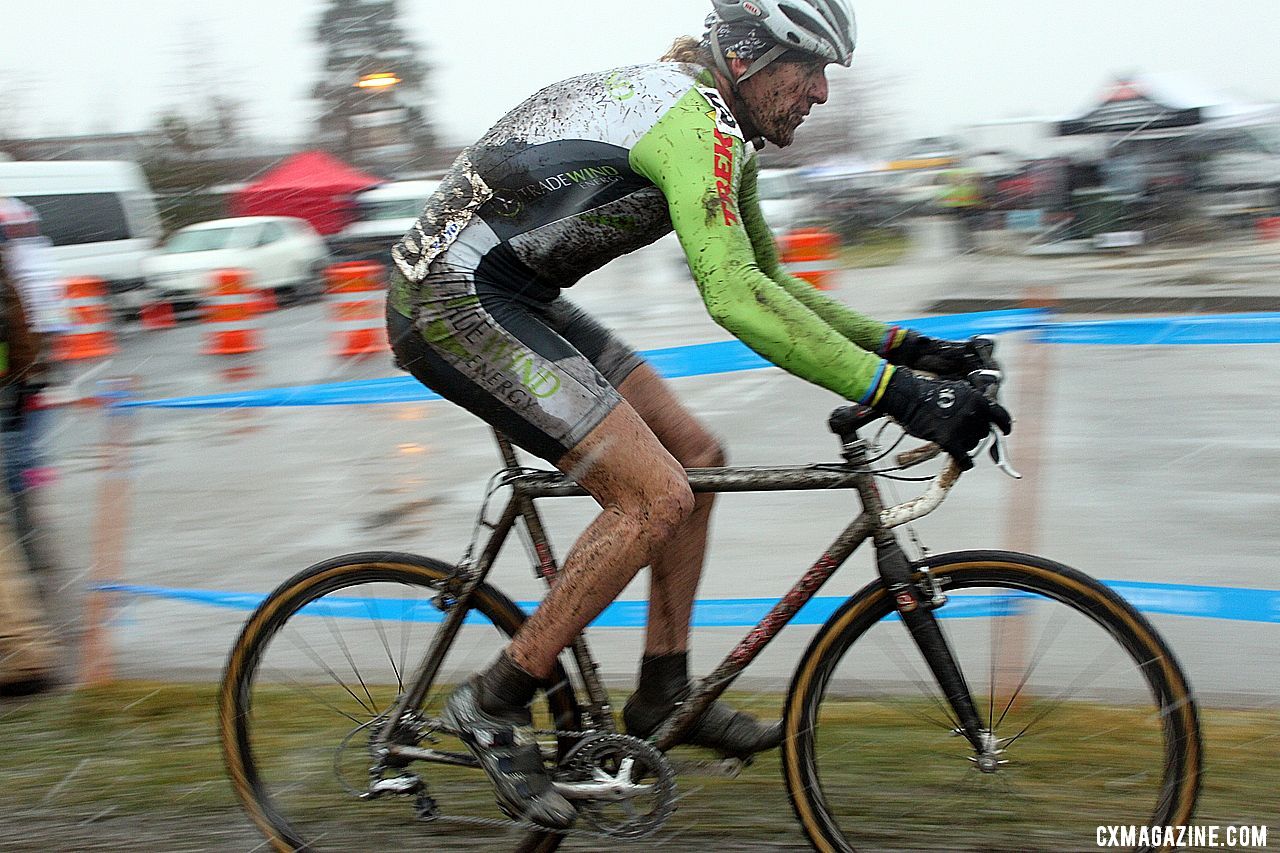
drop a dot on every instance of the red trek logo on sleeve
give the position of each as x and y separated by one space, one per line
723 156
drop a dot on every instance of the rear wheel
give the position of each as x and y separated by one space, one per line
313 675
1091 710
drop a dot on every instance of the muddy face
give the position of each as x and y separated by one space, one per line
780 97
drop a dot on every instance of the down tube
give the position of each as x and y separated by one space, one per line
710 688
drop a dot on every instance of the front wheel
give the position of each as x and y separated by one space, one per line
312 677
1092 713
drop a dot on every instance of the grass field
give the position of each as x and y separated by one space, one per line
138 766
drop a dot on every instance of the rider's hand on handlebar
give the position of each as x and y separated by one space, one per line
946 359
953 414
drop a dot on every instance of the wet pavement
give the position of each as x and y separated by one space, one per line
1154 463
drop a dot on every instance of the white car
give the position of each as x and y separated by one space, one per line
384 214
280 253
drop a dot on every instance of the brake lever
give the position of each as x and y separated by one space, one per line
988 382
999 452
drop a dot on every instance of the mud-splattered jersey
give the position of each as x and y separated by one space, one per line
597 166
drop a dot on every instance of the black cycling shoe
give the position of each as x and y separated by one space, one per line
664 682
734 733
508 752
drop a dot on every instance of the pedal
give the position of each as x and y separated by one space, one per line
396 786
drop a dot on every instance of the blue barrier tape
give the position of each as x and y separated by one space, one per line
671 362
732 356
1255 328
1209 602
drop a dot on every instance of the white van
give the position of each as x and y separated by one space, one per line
99 215
384 214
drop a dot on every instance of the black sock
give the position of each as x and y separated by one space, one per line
505 687
663 678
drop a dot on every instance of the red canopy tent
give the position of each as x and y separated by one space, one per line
311 185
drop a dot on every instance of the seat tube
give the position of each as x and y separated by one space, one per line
597 708
917 616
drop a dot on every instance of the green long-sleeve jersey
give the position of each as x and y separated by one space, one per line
594 167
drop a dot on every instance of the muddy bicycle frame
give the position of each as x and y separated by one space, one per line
914 593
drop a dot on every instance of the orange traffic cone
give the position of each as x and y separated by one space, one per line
90 335
266 302
810 254
157 315
357 297
231 307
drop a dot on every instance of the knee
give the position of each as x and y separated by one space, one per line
665 505
674 505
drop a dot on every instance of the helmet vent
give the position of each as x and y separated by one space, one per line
802 21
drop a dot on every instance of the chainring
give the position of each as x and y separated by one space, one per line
611 758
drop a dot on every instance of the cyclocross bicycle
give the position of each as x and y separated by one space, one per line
971 700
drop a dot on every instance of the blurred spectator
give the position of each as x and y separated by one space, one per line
27 656
24 420
962 198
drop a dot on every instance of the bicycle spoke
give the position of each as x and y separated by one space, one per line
1042 648
306 648
404 640
927 686
1100 752
382 636
346 653
992 658
1094 674
320 673
305 690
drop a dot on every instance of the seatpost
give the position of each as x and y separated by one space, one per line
506 450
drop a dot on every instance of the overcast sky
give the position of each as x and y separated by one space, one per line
111 66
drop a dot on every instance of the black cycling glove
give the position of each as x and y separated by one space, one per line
947 359
953 414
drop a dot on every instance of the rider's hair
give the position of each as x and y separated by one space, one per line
689 49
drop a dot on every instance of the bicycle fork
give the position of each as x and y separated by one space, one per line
915 605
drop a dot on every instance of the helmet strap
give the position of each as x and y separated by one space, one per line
764 59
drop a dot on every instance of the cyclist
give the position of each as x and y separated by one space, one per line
584 171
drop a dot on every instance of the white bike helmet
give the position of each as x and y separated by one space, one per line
822 28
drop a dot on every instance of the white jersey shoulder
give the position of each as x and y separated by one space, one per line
617 106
